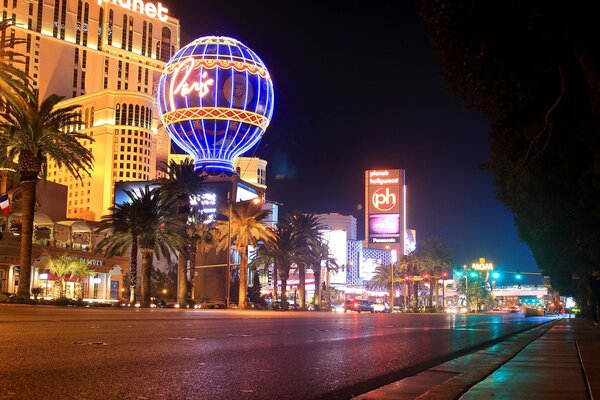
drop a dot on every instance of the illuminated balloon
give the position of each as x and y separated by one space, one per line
215 98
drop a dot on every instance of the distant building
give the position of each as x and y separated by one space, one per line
335 221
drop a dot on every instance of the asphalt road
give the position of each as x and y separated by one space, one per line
68 353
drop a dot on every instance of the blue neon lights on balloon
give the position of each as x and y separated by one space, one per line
215 97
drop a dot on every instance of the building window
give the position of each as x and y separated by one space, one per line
78 29
149 50
124 33
144 28
63 17
84 60
165 47
55 24
100 28
86 15
109 32
130 36
40 11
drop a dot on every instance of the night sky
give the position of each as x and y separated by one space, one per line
357 87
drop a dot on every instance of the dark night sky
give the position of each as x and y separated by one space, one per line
357 87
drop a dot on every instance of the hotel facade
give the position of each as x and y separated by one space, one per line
106 57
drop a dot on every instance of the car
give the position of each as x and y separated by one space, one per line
514 309
381 307
358 306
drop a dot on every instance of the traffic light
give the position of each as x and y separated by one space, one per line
495 275
473 274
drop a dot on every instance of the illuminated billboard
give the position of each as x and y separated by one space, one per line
385 219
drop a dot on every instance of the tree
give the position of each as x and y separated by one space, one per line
32 136
247 229
79 269
125 226
331 265
161 233
410 266
533 69
386 276
434 257
59 267
306 229
182 183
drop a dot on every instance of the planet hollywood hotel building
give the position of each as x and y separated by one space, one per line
106 56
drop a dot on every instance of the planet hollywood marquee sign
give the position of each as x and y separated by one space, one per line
148 9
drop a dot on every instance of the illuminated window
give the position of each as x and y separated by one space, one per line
144 28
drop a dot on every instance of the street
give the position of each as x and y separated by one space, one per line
107 353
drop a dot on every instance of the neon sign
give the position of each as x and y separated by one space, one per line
215 98
149 9
383 199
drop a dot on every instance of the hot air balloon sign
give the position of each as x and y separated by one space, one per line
215 97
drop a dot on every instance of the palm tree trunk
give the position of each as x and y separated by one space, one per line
147 255
275 286
416 289
437 294
182 280
243 278
133 270
328 288
317 273
302 284
192 268
284 301
27 210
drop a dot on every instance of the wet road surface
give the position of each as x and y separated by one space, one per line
104 353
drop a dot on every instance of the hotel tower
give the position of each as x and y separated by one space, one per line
105 56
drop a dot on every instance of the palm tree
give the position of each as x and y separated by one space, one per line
201 239
265 257
32 136
436 258
160 233
410 265
386 276
124 224
246 228
59 267
306 229
280 250
80 269
182 181
331 265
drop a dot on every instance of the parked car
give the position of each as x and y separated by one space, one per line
514 309
358 306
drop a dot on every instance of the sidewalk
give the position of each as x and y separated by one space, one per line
560 360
